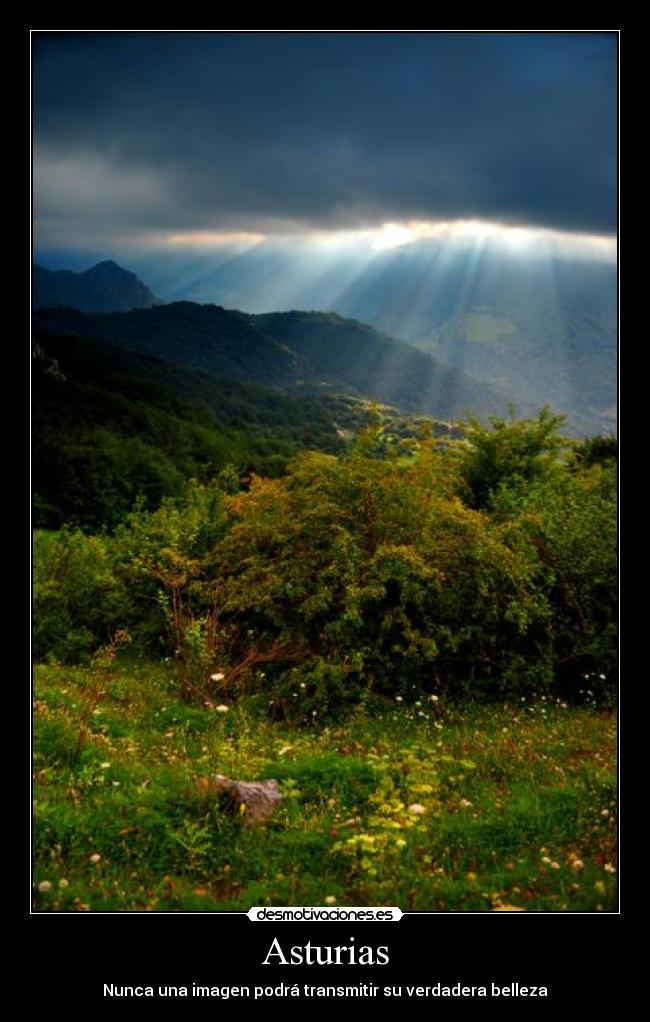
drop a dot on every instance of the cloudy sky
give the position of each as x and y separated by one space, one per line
147 138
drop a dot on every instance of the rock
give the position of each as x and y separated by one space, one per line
258 798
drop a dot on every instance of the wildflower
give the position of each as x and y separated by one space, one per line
302 684
45 886
418 703
330 900
63 883
434 699
217 677
104 766
577 865
221 708
605 813
609 868
94 858
417 809
465 803
285 748
398 699
555 865
545 858
471 877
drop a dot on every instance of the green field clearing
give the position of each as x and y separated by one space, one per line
428 806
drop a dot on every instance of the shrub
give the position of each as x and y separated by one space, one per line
372 577
570 527
78 600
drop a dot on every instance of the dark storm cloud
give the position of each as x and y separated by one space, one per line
270 131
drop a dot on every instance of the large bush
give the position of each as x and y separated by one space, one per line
568 522
361 573
78 600
508 452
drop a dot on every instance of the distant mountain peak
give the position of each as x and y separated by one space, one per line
104 287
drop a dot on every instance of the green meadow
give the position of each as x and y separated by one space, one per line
422 804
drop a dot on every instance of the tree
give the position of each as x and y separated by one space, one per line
509 451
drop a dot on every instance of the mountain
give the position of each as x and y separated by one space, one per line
110 425
105 287
297 352
540 325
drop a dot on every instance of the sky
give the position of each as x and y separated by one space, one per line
175 139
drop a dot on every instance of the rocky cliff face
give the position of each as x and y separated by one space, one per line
49 366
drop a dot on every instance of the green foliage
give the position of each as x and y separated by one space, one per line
569 527
508 452
372 578
359 576
78 600
112 426
597 450
318 778
164 558
519 804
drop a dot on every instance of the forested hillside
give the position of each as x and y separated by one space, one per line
110 426
297 352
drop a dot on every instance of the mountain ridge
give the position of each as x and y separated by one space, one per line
297 352
104 287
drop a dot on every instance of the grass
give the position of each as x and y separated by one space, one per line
428 807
